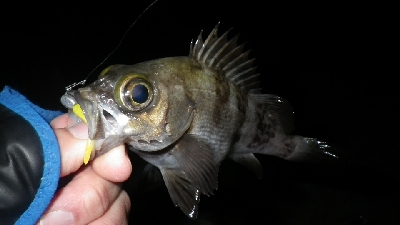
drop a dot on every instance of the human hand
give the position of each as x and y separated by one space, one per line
94 195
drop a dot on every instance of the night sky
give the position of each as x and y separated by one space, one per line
328 60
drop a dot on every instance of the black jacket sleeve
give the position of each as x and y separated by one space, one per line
21 165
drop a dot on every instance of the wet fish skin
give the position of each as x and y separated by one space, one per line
200 109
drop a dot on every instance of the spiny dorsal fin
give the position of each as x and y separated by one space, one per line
221 54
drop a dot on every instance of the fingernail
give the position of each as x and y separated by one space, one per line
79 130
58 217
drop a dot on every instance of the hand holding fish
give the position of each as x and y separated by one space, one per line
94 194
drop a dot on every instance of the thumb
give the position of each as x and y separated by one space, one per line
72 141
79 130
72 149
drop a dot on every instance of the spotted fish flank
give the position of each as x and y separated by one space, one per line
185 115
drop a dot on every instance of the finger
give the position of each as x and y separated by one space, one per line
61 121
114 165
72 146
78 130
83 200
72 151
118 213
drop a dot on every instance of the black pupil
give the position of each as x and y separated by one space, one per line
140 93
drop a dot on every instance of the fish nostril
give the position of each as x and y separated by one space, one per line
109 117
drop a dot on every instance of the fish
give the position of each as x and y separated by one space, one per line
185 115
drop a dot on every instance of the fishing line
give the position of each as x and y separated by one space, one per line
82 82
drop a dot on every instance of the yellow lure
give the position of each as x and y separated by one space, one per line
78 112
90 143
88 150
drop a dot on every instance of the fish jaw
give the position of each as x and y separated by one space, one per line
88 103
102 127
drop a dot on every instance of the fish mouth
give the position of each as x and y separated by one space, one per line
101 122
91 112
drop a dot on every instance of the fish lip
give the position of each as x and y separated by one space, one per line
91 112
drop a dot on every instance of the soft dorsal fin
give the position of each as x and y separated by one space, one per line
276 110
221 54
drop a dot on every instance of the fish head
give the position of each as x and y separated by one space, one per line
143 105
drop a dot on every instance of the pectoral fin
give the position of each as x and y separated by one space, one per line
196 173
196 159
182 193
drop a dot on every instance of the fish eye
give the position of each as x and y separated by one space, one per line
140 93
133 92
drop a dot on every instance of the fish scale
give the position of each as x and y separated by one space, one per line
216 124
194 112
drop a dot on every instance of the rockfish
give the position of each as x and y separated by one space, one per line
187 114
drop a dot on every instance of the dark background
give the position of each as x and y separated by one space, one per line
328 60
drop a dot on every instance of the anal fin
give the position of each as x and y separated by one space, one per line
249 161
151 173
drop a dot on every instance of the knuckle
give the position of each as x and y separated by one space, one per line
126 201
97 201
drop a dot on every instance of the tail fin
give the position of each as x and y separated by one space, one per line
312 150
293 148
266 130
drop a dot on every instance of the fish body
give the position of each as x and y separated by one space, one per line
185 115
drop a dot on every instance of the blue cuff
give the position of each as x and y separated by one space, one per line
40 120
